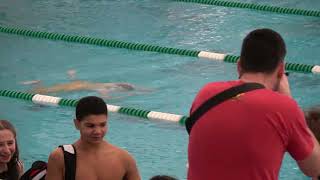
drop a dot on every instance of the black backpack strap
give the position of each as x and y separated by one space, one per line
37 171
217 99
41 172
70 159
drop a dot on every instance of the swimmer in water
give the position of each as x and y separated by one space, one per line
104 89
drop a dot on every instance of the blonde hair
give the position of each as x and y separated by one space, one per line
312 116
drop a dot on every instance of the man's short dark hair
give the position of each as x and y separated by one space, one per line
90 105
262 51
162 177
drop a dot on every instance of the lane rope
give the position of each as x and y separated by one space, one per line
57 101
296 67
258 7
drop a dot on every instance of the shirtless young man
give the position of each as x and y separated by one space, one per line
96 159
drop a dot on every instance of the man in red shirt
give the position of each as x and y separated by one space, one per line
246 137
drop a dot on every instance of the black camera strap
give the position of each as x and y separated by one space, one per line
219 98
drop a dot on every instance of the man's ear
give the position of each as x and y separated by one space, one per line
76 123
281 69
239 68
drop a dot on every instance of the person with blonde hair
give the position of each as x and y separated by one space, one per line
312 116
11 168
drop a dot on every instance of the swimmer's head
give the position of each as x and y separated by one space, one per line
126 86
72 73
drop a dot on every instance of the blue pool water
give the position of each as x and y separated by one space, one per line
159 148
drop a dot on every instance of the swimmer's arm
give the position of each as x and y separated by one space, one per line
55 165
36 85
132 172
142 89
32 82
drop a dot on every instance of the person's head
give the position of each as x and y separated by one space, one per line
126 86
9 153
162 177
263 51
312 116
72 74
91 119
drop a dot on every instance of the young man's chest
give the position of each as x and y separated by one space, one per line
100 168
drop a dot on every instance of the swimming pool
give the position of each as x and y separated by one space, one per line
159 148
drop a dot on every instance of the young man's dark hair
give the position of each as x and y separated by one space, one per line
90 105
261 51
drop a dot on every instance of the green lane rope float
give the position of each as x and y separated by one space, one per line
296 67
145 47
97 41
57 101
259 7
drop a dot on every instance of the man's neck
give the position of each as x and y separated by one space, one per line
260 78
83 145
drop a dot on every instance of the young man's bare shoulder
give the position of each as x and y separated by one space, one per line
124 154
56 155
116 149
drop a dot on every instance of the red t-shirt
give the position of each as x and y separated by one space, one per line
246 137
